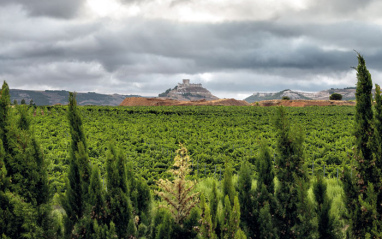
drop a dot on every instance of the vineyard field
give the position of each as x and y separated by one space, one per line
149 136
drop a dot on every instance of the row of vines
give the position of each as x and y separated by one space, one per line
149 137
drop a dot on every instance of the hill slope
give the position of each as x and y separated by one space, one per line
347 94
52 97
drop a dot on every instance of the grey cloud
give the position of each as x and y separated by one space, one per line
153 55
50 8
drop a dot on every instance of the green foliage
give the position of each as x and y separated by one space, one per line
335 96
366 221
265 169
75 125
214 202
326 221
82 159
23 102
228 187
117 193
164 228
231 217
4 111
245 193
290 172
265 220
76 197
305 226
72 200
206 225
97 197
370 218
363 127
285 98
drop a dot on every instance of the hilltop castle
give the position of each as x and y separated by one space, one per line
188 91
186 84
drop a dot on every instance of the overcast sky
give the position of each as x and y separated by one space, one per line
234 48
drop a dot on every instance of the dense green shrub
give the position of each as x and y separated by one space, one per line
335 96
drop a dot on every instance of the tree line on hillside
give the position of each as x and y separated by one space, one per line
279 205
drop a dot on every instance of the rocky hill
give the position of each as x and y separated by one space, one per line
347 94
52 97
187 91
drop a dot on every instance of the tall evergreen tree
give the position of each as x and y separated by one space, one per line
97 197
364 221
72 202
79 151
263 195
4 109
214 202
326 222
28 179
245 192
77 186
206 225
228 187
289 169
363 127
117 193
378 141
231 218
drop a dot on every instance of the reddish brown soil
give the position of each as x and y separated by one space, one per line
140 101
303 103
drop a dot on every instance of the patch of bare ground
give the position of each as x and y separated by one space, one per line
140 101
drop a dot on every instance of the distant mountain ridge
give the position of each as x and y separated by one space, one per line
187 91
52 97
347 94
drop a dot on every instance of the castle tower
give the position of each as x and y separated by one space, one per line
186 81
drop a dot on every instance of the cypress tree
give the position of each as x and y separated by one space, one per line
206 226
231 218
378 141
28 179
245 193
263 195
289 169
79 151
4 111
365 222
117 193
266 227
76 197
4 200
228 188
214 201
72 202
97 197
363 128
227 211
164 229
326 222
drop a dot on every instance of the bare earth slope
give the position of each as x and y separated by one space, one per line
138 101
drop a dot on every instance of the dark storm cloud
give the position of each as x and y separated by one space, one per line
230 46
50 8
